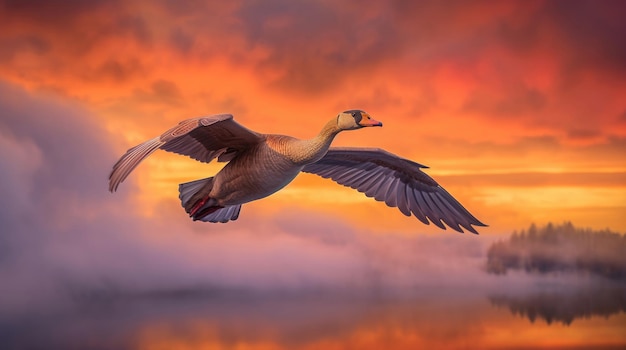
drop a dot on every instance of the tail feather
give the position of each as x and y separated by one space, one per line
190 196
187 190
229 213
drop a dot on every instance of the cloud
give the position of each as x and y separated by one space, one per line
315 46
65 146
521 65
47 13
539 179
161 91
76 26
591 32
118 70
510 100
181 40
26 43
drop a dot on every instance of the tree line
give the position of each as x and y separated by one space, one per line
560 248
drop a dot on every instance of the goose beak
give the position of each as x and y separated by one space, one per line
366 120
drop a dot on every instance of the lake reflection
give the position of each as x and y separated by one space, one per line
439 318
567 305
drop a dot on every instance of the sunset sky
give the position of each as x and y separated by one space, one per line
517 107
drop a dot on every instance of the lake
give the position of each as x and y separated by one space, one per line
546 315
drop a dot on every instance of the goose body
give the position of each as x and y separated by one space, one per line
256 173
261 164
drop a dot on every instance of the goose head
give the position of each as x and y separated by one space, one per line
355 119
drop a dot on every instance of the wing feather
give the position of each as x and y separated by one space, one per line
416 204
435 212
381 192
202 139
403 204
396 181
362 179
391 198
456 221
371 187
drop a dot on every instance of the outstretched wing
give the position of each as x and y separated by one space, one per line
202 139
396 181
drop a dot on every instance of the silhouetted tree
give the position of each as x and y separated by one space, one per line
561 248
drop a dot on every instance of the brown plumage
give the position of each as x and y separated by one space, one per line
261 164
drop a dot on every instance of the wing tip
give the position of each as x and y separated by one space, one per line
471 229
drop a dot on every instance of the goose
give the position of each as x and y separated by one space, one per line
261 164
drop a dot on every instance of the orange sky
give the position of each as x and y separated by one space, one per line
517 107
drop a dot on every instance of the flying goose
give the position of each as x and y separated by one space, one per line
261 164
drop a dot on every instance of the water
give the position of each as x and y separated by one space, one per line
544 316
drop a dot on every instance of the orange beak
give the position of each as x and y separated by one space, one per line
366 120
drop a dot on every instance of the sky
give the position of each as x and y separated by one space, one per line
517 106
